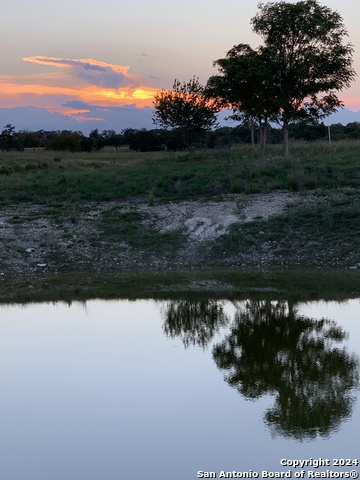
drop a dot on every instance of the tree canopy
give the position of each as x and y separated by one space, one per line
186 108
245 85
298 71
8 137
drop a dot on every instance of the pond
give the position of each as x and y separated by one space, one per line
179 389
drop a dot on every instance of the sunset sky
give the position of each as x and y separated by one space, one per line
91 64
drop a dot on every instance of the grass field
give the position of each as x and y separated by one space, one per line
50 177
63 190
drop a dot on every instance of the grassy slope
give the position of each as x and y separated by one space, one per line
326 234
51 177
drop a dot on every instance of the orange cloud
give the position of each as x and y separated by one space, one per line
85 80
81 118
75 111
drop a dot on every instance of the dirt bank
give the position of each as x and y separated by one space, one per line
232 231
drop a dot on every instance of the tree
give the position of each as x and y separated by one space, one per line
147 141
308 130
295 74
96 140
29 139
309 60
110 137
8 137
128 135
66 140
185 108
246 86
352 130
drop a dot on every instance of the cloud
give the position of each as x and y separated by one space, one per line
92 71
72 85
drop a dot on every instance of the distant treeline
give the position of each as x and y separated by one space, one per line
156 139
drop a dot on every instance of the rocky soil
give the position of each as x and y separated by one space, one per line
43 239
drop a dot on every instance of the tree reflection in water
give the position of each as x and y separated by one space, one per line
195 323
270 349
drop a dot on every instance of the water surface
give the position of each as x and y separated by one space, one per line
146 389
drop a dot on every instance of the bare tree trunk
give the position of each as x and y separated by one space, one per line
265 135
263 132
286 137
252 132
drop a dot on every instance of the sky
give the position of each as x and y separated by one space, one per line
85 64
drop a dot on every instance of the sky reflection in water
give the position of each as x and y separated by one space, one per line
160 390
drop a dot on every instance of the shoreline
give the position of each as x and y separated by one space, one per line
195 286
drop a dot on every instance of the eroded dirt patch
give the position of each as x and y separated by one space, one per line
38 238
208 220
